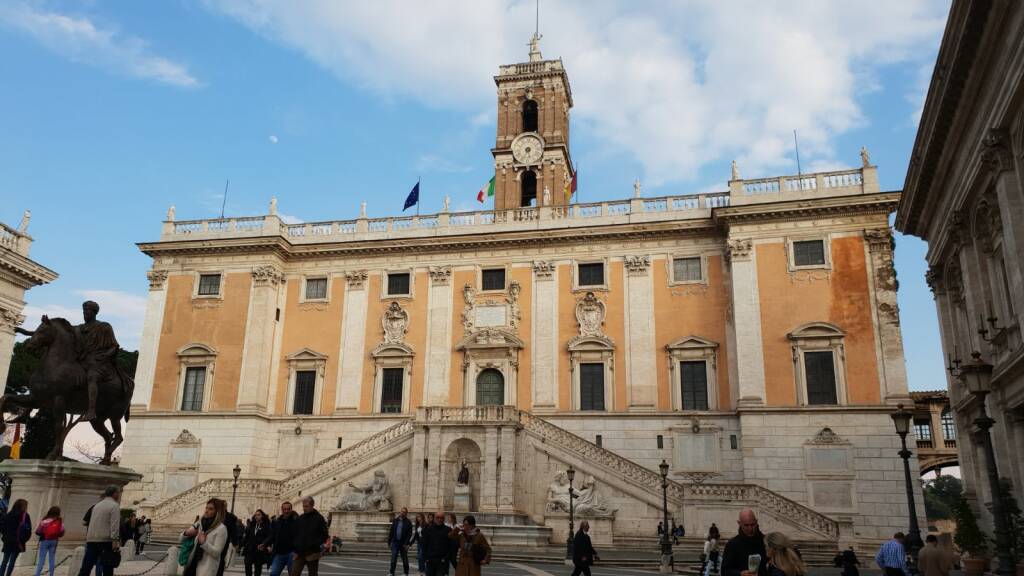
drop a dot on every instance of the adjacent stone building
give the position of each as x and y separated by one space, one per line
964 196
18 273
748 337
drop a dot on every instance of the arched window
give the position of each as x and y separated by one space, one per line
530 116
528 189
490 388
948 425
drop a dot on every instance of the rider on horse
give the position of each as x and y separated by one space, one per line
97 352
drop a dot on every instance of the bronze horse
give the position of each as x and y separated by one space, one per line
59 385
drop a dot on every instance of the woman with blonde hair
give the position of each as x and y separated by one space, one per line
783 559
211 536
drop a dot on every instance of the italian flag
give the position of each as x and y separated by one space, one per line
487 191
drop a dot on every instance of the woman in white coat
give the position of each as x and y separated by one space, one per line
211 536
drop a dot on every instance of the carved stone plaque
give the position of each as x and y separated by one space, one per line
296 452
491 316
177 482
825 460
696 452
184 455
831 495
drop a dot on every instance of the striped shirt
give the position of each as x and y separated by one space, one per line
892 555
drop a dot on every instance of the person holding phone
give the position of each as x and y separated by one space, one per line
744 548
474 550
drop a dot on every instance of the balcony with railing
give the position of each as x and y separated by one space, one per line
632 211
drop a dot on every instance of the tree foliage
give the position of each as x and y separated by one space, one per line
969 536
941 496
40 435
23 363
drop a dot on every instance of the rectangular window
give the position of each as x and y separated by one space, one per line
922 429
493 279
591 274
398 284
209 284
316 288
592 386
599 440
948 426
391 390
686 270
305 389
661 441
820 372
339 442
192 395
809 253
694 376
734 442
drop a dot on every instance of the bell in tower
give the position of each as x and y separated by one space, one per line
532 166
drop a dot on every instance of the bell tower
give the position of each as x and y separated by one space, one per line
531 153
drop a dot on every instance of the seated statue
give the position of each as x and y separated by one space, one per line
589 502
373 497
558 494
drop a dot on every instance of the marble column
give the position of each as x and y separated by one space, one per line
544 337
353 338
256 378
639 352
150 342
439 337
886 313
746 315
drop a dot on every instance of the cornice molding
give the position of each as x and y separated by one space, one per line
25 272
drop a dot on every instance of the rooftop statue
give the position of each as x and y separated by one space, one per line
78 375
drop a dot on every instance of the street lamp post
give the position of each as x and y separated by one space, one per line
901 418
236 472
666 540
977 375
570 473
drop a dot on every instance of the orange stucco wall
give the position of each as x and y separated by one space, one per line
373 334
524 391
615 328
691 310
220 326
316 326
841 299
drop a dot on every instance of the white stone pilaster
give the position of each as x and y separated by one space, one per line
746 308
544 337
434 496
489 478
353 338
886 316
439 337
150 342
507 475
641 387
416 471
261 325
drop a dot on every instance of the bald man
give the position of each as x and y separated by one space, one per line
749 541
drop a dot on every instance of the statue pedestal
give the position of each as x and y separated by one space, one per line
463 501
344 522
74 486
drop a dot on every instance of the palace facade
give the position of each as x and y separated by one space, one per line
749 338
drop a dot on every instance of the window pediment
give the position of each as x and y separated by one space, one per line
392 350
490 338
306 354
584 343
816 330
196 350
692 343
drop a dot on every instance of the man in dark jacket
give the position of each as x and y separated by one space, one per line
748 542
583 553
280 542
311 538
399 536
436 546
234 538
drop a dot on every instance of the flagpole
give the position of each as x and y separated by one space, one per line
418 197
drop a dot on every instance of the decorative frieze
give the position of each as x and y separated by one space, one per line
738 249
440 275
356 279
543 269
267 276
637 265
156 278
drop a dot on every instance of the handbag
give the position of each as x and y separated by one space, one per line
185 550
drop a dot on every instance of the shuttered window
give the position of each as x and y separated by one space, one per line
694 377
391 390
820 372
192 395
592 386
305 389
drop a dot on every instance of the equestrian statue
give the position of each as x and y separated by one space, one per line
78 379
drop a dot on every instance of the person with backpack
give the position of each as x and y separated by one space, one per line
50 530
17 530
474 551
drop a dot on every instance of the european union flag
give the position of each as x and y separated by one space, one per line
413 198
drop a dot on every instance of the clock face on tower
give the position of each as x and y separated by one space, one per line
527 148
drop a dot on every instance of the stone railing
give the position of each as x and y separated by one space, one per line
749 495
340 460
464 414
817 185
13 240
194 497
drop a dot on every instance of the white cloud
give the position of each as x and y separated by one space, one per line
273 139
436 163
81 40
123 310
677 86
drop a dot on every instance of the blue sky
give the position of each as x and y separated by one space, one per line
115 110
